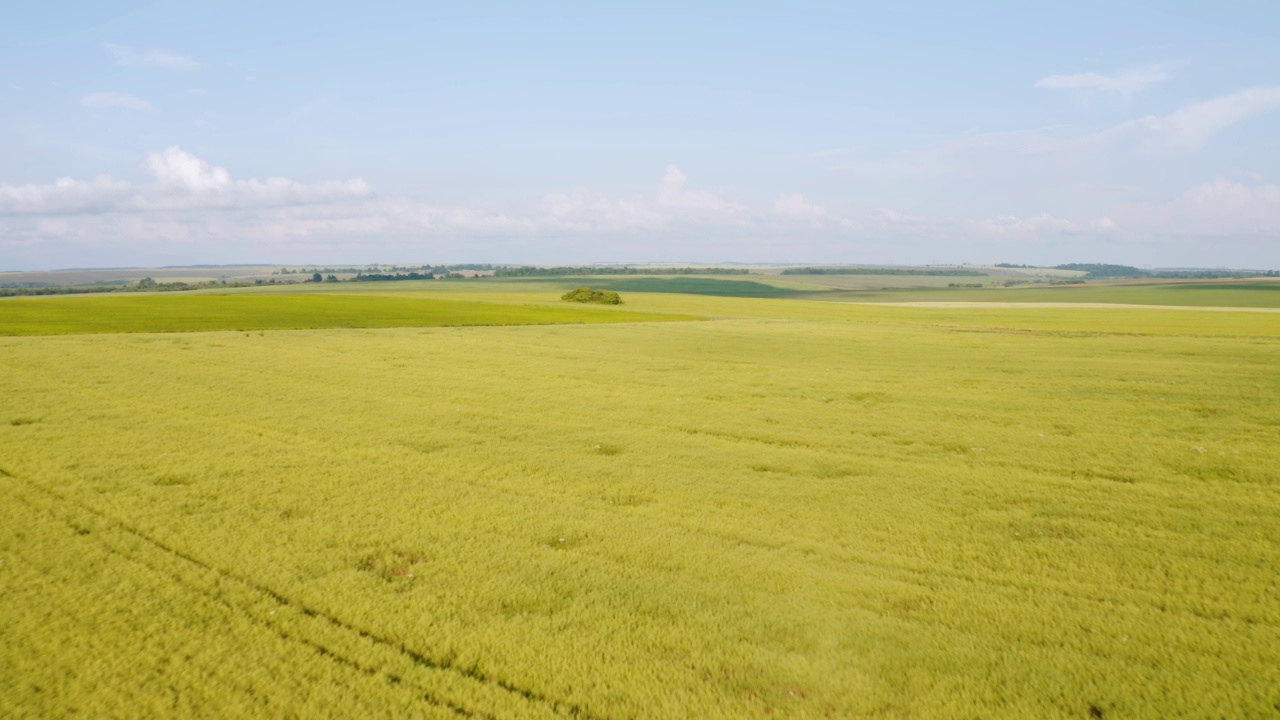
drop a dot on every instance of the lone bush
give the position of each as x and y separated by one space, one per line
590 295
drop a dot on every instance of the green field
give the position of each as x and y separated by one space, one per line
276 311
793 509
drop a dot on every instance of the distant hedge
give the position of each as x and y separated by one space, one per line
527 271
875 271
590 295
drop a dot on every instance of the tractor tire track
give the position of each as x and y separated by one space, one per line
536 702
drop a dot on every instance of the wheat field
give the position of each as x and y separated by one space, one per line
789 509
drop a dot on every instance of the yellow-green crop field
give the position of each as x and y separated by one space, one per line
786 508
172 312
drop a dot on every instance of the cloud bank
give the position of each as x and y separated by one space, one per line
188 203
180 181
1011 162
1192 125
795 206
189 210
673 194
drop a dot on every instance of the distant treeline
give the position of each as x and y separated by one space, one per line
55 290
95 283
144 285
383 269
1098 271
1102 270
876 271
380 277
611 270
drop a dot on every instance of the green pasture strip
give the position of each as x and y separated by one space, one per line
260 311
852 516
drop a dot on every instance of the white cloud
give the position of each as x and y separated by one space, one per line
128 57
672 193
1128 81
1022 162
1225 211
1235 201
1015 227
192 204
585 211
1192 125
181 181
1217 209
795 206
890 218
188 205
1188 127
115 99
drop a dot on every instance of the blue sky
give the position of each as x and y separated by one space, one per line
139 133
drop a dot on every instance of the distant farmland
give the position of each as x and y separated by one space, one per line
470 499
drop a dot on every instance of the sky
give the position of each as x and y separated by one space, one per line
144 134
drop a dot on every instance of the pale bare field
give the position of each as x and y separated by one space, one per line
1025 305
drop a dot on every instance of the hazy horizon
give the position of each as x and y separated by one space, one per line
296 266
146 135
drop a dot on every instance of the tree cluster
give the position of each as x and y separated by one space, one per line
591 295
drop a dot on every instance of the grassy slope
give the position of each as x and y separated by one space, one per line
269 311
861 511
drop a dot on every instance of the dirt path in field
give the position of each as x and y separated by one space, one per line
1124 306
